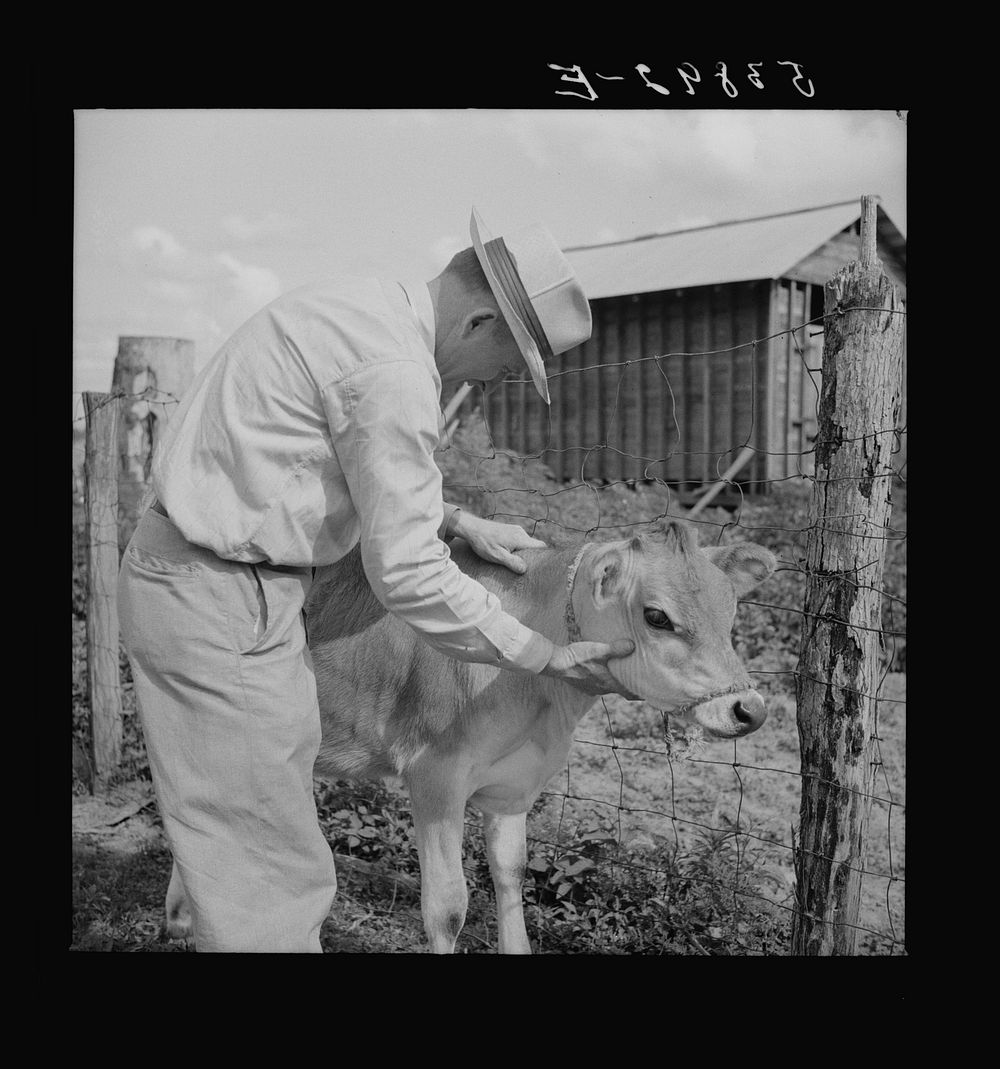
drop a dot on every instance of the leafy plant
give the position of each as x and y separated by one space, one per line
564 879
369 822
593 896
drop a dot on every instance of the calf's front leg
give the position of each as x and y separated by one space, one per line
438 821
507 852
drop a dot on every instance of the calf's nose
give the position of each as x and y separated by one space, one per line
749 712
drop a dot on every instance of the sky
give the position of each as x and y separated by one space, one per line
186 222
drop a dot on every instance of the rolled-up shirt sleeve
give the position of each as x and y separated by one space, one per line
449 511
384 429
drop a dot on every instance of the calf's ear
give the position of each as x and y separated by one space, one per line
746 564
606 577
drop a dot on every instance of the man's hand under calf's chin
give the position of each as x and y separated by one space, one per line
585 666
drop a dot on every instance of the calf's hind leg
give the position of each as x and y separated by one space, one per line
507 853
179 925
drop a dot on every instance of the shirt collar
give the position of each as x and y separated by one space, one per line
419 297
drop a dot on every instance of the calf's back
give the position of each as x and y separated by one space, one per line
385 695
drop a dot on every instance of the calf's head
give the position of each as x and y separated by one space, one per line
677 601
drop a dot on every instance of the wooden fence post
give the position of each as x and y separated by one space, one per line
153 372
839 656
101 500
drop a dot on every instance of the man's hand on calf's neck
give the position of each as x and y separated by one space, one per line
496 542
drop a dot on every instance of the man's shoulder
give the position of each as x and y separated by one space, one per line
364 292
348 303
346 323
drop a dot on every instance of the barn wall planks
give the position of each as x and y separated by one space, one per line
672 385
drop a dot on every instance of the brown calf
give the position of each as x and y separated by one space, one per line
457 733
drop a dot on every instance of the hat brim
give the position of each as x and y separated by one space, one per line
522 335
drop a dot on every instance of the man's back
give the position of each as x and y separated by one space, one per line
247 466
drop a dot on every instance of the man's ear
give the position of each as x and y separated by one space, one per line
746 564
475 320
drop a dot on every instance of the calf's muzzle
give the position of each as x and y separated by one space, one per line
748 713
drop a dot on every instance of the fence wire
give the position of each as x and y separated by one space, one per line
540 517
496 479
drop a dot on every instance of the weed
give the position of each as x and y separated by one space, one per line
592 896
369 822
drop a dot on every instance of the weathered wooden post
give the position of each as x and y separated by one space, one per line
153 373
839 655
101 502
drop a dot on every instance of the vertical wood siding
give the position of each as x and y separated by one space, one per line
671 386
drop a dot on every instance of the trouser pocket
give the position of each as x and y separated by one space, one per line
269 602
260 627
248 610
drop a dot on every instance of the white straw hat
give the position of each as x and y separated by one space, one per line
544 305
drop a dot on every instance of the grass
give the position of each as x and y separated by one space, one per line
118 897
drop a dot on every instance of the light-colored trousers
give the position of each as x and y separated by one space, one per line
227 701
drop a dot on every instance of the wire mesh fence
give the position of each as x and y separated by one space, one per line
634 808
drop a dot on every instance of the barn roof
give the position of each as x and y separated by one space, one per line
767 246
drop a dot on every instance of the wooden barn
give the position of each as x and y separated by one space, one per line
705 341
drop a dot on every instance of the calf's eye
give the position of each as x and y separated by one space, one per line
658 618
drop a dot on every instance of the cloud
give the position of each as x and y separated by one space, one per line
723 157
155 252
180 276
270 225
617 144
253 286
638 143
172 291
181 291
728 139
156 240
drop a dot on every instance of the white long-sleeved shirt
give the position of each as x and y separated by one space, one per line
314 428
